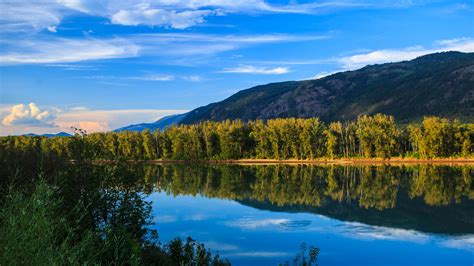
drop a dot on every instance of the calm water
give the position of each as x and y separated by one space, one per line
259 215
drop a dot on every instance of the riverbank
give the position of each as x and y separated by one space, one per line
370 161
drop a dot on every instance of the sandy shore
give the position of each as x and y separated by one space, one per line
372 161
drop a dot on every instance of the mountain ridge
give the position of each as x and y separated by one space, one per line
440 84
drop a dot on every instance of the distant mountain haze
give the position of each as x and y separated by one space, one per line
440 84
60 134
161 124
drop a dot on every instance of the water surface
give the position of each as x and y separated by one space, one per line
356 215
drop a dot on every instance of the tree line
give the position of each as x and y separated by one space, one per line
375 136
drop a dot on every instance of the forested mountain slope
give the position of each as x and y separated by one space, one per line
440 84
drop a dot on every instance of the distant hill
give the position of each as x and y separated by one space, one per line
440 84
161 124
60 134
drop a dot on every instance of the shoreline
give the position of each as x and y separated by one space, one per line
342 161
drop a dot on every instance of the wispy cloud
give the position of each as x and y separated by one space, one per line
155 77
191 44
64 50
256 70
58 51
193 78
27 16
74 67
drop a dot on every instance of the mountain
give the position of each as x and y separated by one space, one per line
440 84
60 134
161 124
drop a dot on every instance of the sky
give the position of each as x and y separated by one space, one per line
104 64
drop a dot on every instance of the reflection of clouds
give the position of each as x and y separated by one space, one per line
263 254
165 219
296 223
220 246
197 217
252 223
224 218
363 231
461 242
347 229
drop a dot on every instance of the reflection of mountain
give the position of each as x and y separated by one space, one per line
435 199
409 214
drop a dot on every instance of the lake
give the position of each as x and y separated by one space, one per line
356 215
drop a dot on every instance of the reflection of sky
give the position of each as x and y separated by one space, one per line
250 236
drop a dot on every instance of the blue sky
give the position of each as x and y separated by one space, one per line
102 64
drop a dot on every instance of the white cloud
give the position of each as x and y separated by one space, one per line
160 17
395 55
256 70
22 119
28 115
63 50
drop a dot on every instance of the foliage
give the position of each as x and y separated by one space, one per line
34 233
290 138
37 230
308 256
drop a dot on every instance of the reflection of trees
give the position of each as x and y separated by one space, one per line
378 188
442 185
371 187
412 197
115 194
367 186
